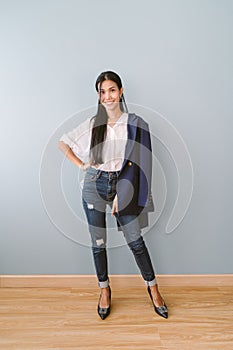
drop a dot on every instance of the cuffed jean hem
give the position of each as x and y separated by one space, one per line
103 284
151 283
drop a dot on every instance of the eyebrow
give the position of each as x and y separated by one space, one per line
109 88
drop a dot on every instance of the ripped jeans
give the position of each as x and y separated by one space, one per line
99 191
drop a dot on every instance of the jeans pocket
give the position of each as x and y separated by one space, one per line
90 178
89 190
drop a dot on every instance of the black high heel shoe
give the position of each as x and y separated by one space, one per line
104 311
160 310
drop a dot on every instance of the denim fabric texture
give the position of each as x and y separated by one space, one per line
98 191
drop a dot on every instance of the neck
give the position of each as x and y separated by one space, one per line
114 114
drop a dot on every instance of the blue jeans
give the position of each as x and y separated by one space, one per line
99 191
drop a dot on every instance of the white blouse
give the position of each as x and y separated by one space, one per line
79 140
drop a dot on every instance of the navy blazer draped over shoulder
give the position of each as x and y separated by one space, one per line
134 180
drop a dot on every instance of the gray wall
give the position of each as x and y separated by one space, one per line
175 57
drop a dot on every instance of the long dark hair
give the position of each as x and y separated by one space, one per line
100 119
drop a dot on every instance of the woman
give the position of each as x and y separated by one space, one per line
114 148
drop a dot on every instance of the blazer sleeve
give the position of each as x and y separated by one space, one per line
145 172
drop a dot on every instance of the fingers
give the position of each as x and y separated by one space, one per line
85 166
114 206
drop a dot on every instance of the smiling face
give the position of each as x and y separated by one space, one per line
109 95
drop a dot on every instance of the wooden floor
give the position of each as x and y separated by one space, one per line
66 318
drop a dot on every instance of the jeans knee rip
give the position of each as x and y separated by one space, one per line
100 241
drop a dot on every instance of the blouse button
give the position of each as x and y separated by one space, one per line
130 164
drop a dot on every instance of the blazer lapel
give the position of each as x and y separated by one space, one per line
131 130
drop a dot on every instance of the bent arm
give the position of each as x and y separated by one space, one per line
70 154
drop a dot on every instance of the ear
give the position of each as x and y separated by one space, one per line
121 91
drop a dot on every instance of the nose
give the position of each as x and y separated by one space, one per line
107 95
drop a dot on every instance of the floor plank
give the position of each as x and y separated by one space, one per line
66 318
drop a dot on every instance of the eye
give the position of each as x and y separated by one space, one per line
113 90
